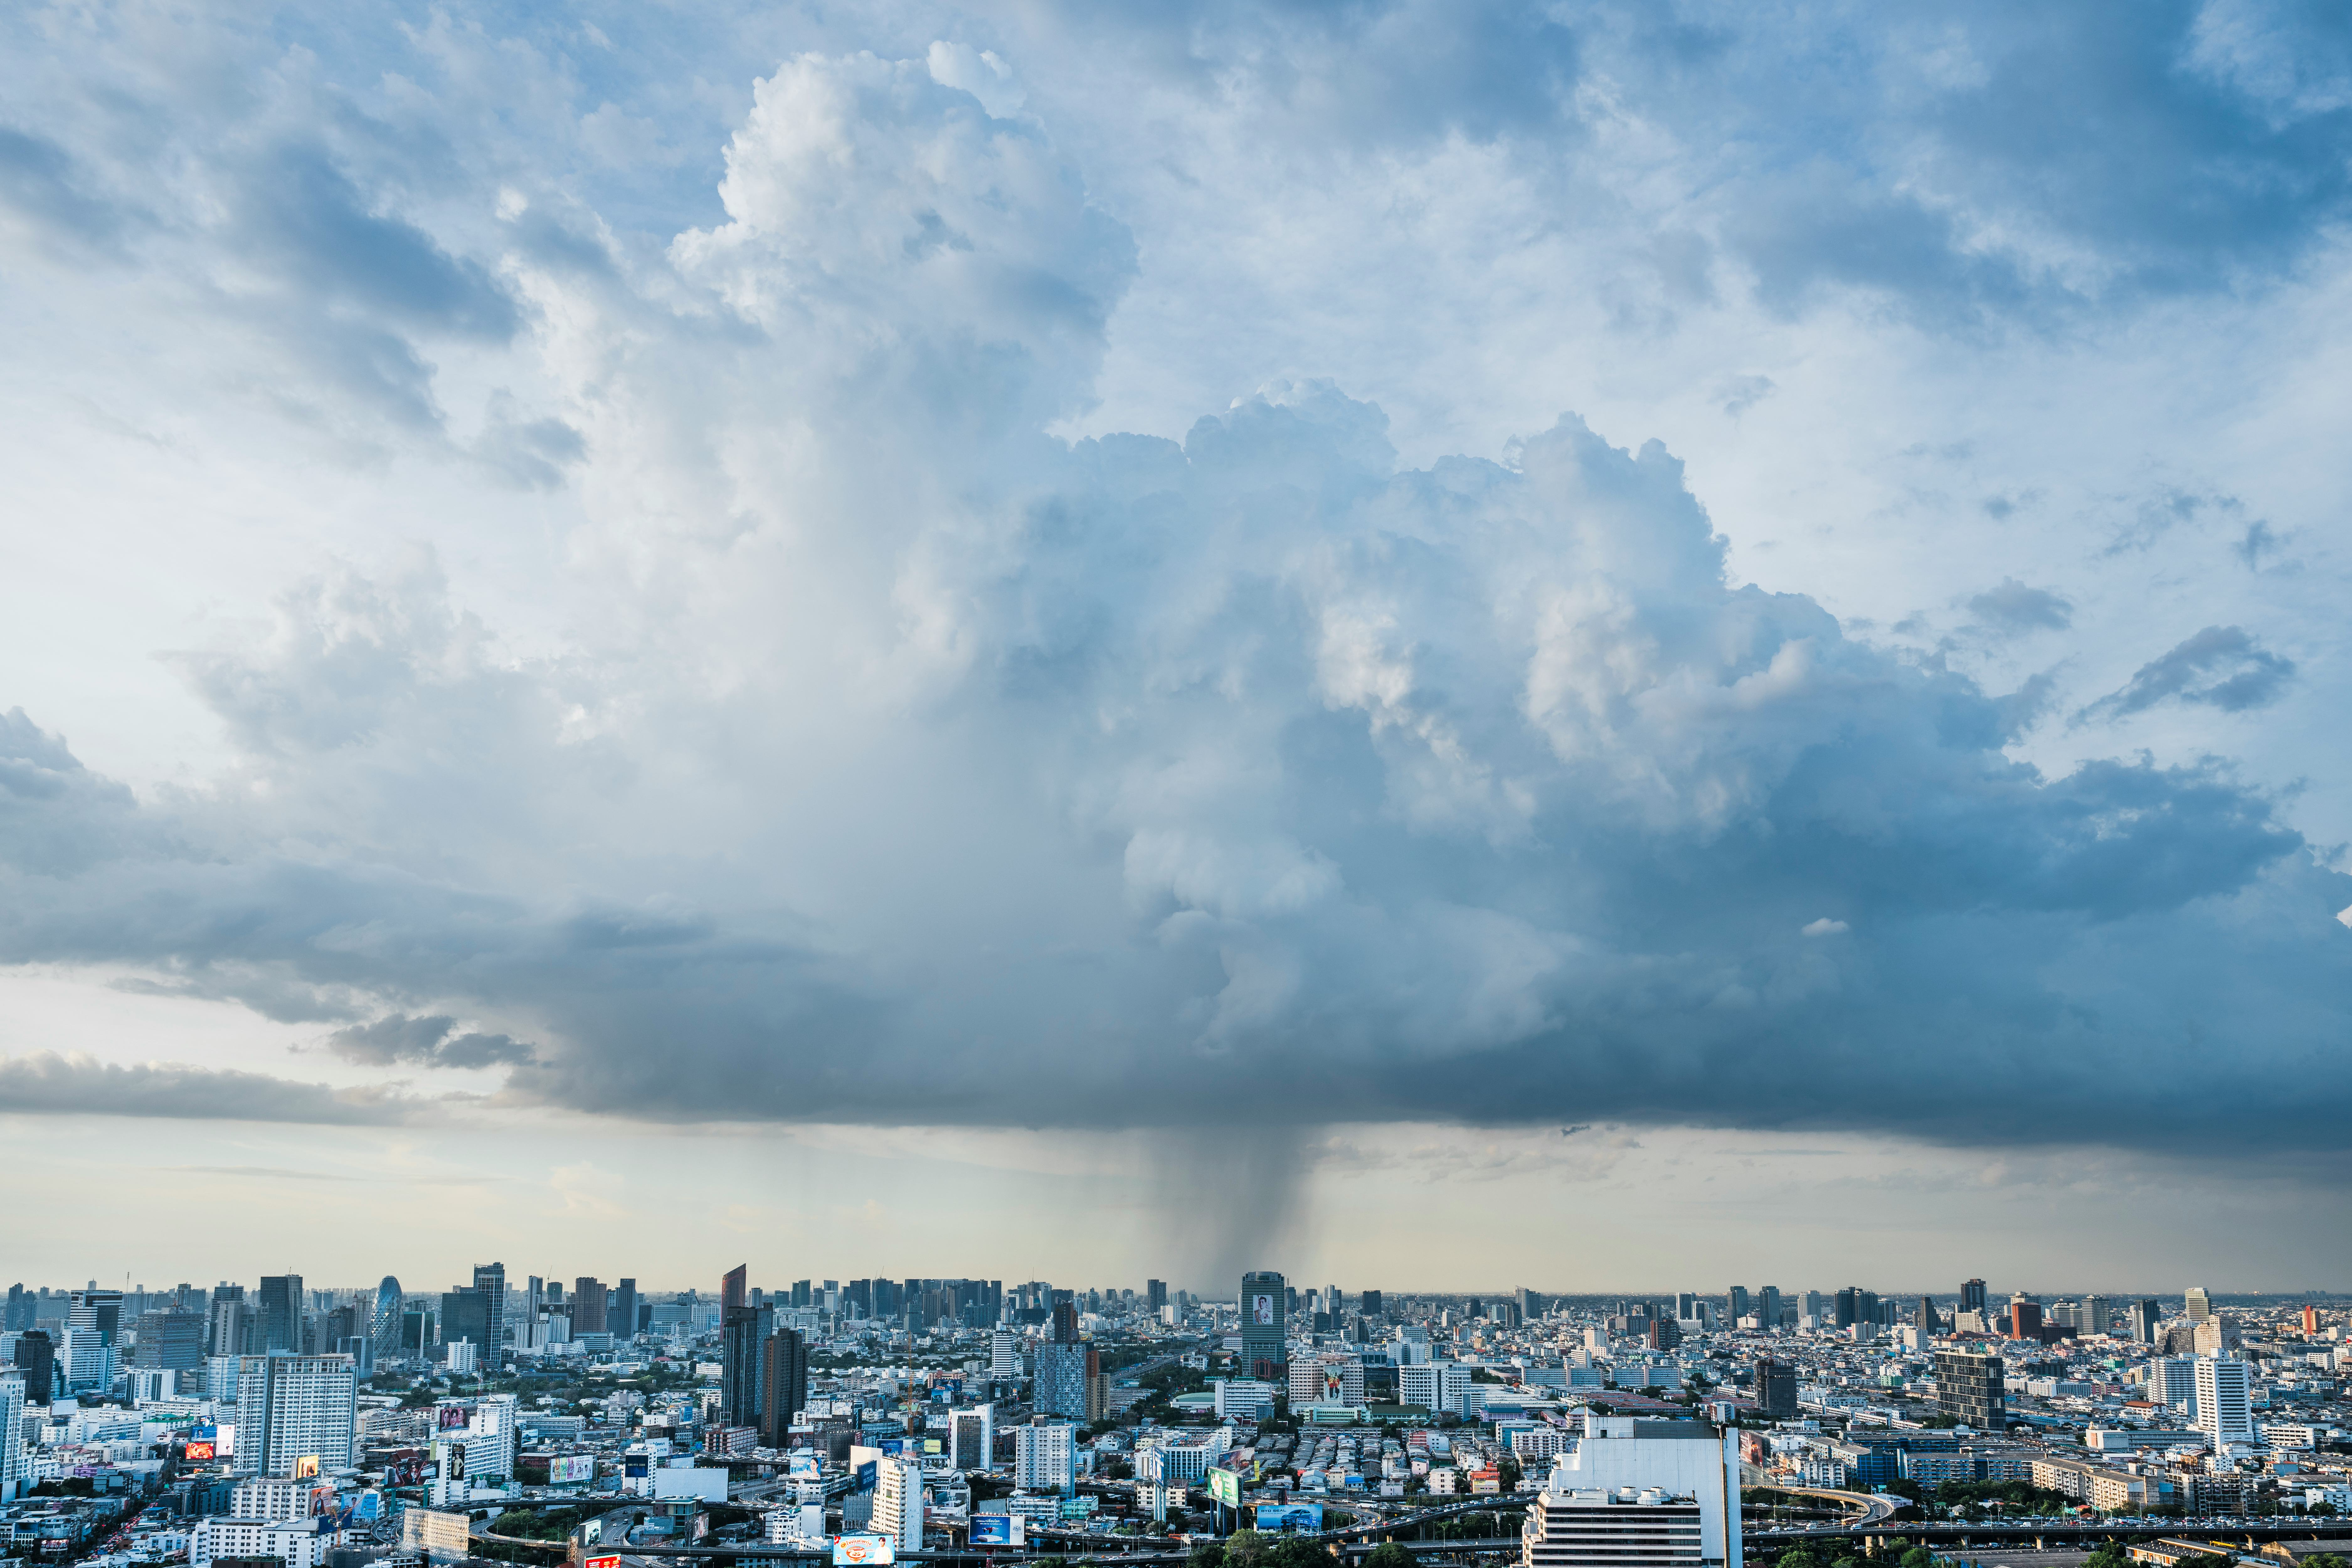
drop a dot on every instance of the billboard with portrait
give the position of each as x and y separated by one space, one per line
862 1550
571 1469
1262 1310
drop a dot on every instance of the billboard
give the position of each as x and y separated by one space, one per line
452 1418
1308 1516
860 1550
600 1562
897 1446
204 1432
200 1453
306 1466
998 1529
569 1469
1262 1309
636 1466
801 1464
1225 1486
865 1481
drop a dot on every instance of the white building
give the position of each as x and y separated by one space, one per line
297 1543
12 1437
490 1439
293 1408
86 1360
440 1536
899 1502
1004 1354
1245 1398
267 1498
2225 1401
462 1357
1326 1380
1638 1494
1046 1457
1436 1384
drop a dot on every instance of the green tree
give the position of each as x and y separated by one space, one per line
1246 1548
1389 1555
2324 1560
1917 1557
1208 1555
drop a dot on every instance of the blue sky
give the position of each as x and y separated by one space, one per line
600 595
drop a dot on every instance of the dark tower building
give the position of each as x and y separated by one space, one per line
743 1334
1775 1389
1972 1296
622 1317
280 1312
784 1385
1969 1388
491 1279
1265 1339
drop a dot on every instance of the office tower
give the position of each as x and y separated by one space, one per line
2091 1315
1775 1389
466 1319
19 1316
2200 1305
1064 1323
1155 1296
2225 1401
804 1293
1735 1304
491 1282
170 1340
2143 1318
233 1330
99 1312
1809 1305
1767 1306
1970 1390
1003 1354
296 1408
35 1360
621 1314
1066 1379
590 1305
1266 1353
1638 1494
971 1437
279 1310
383 1323
784 1385
1045 1456
2173 1380
1924 1318
899 1502
2024 1317
12 1435
1845 1310
1972 1296
731 1293
743 1334
1369 1303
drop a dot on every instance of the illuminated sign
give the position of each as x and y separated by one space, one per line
306 1466
452 1417
600 1562
859 1551
1225 1486
200 1453
204 1432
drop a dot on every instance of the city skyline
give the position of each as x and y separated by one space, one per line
1204 632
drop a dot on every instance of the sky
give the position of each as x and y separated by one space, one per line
1434 645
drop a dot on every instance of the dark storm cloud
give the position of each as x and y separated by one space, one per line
398 1040
2221 666
45 1083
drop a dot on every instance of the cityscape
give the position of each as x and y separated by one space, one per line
1440 707
531 1419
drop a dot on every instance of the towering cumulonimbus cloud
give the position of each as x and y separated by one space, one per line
902 762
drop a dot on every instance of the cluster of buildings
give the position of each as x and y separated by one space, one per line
331 1428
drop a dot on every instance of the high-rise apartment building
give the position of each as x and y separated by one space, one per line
12 1435
2225 1412
1970 1388
2173 1380
784 1385
293 1408
590 1307
1068 1381
2143 1318
899 1502
1638 1494
622 1317
1266 1353
743 1334
1155 1296
971 1437
1767 1306
1003 1354
1045 1456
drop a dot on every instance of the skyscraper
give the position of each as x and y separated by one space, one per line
784 1385
742 1360
1369 1303
36 1361
2200 1305
1265 1353
2225 1401
383 1324
2143 1318
1972 1296
2173 1380
1970 1389
1925 1318
292 1408
2024 1317
1775 1389
280 1312
1735 1304
1067 1373
623 1316
1767 1306
12 1429
732 1286
465 1315
1155 1296
491 1279
971 1437
589 1306
2091 1316
19 1316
